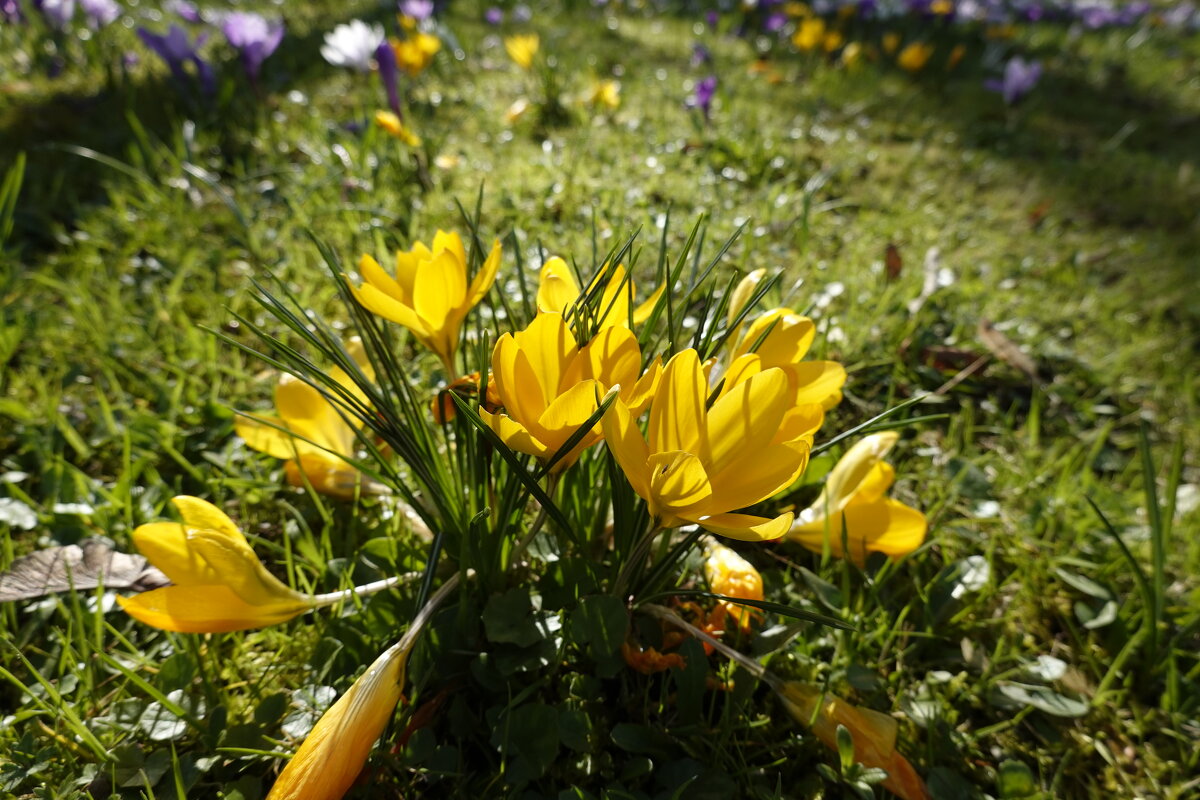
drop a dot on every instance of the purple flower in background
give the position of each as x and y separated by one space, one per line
700 55
1020 76
1180 16
494 15
417 9
184 10
100 12
712 18
385 57
57 13
175 48
702 95
10 11
254 38
775 22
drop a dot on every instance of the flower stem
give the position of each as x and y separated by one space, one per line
365 590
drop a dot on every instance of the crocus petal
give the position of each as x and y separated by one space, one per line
329 475
874 484
628 447
678 417
514 435
377 276
261 434
240 569
518 386
747 418
310 415
612 357
849 472
450 241
549 346
336 748
569 410
205 609
643 312
745 527
678 481
378 302
440 287
887 526
742 293
759 473
165 544
557 288
203 515
486 276
643 391
819 382
788 337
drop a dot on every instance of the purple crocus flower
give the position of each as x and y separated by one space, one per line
57 13
1020 76
100 12
712 18
254 38
494 15
701 55
775 22
175 48
417 9
385 57
702 95
10 11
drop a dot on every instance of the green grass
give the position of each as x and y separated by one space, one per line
137 234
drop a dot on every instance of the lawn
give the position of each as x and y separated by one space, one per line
1025 273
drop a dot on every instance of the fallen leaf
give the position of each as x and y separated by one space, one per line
87 565
1003 348
892 261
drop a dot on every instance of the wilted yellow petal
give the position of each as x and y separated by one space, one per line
336 749
328 475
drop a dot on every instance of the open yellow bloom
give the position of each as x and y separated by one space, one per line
391 122
549 386
810 34
522 48
873 734
783 338
853 507
915 56
316 440
558 292
733 576
429 295
698 464
604 94
416 52
218 582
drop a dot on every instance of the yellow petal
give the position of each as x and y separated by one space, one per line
239 568
514 435
678 417
642 392
678 482
850 471
643 312
453 243
549 346
205 609
747 418
886 526
486 276
745 527
628 447
819 382
742 294
874 484
375 275
616 299
260 435
788 337
520 391
568 411
336 748
741 369
800 422
557 288
612 357
386 306
309 415
328 475
166 546
440 287
757 474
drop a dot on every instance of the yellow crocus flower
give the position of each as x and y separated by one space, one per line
853 507
698 464
832 41
741 296
891 42
416 52
810 34
549 386
604 94
915 56
873 734
218 582
852 55
391 122
558 293
311 433
522 48
783 338
729 574
429 294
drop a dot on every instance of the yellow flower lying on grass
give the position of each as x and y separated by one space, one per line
522 48
429 295
394 126
218 582
729 574
549 386
915 56
853 507
873 734
558 292
699 464
311 433
416 52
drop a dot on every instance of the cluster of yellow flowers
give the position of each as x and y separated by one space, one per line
720 436
814 34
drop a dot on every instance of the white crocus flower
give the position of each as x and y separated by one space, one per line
353 45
